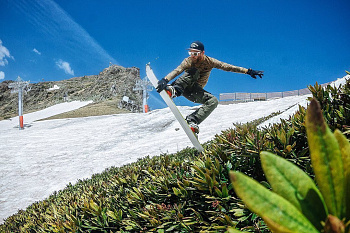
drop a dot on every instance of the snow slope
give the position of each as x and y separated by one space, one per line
47 155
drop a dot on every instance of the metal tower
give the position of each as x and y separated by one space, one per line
145 86
21 87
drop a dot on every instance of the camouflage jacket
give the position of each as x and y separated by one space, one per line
204 66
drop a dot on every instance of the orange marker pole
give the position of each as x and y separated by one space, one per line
146 108
21 125
20 108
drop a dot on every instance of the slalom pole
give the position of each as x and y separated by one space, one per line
20 108
146 109
19 86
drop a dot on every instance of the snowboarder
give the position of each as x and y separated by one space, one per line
197 69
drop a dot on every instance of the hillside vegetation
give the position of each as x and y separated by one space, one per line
187 191
107 107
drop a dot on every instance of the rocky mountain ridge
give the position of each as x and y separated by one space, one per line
110 86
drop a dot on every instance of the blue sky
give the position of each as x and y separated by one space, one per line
295 42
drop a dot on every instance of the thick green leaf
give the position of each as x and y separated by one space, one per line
344 146
224 191
233 230
279 214
326 159
290 182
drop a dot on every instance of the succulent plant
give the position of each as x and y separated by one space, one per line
296 204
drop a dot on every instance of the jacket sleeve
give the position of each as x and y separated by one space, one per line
185 64
227 67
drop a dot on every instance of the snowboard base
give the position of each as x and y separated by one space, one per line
190 134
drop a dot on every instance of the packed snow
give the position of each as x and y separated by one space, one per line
48 155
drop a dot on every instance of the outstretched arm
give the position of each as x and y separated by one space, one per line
228 67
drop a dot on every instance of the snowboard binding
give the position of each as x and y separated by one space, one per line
170 90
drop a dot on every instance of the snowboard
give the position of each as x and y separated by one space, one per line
190 134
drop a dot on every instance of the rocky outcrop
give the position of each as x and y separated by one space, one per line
111 84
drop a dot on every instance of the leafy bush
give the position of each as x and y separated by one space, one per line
335 104
296 205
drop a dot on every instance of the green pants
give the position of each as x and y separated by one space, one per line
191 90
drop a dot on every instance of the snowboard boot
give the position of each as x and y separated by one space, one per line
174 90
170 90
194 126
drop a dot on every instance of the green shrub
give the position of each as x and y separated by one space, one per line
296 204
335 104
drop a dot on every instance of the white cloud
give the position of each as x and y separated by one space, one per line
36 51
2 75
4 52
65 66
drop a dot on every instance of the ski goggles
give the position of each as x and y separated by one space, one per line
195 54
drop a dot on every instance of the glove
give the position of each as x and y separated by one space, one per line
162 84
255 72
